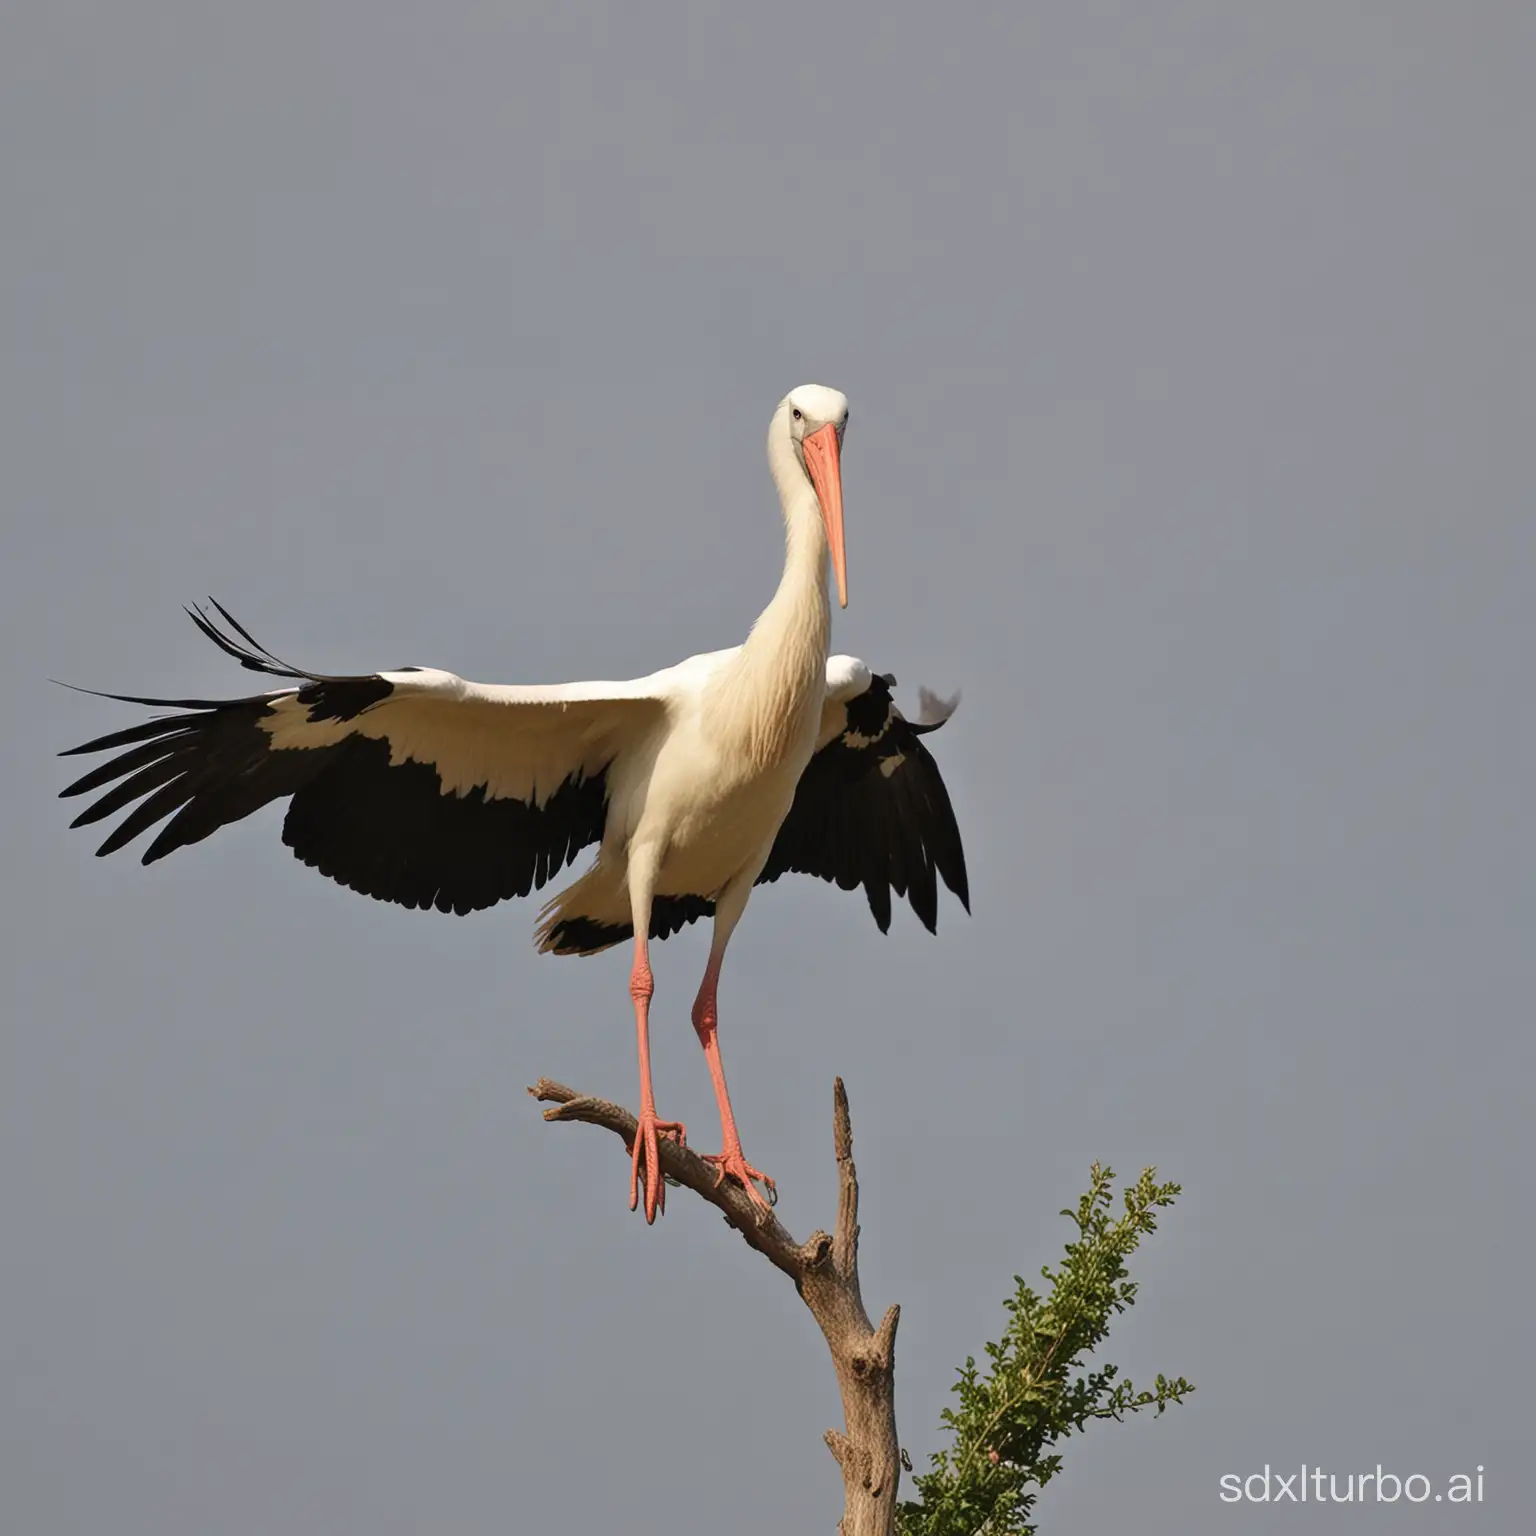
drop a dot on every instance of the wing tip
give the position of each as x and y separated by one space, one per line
933 709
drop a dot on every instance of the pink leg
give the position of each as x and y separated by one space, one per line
730 1159
646 1153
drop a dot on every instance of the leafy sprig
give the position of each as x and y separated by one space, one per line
1035 1389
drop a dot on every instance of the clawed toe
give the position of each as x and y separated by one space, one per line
645 1162
732 1163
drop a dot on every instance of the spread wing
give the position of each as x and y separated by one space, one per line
871 808
414 786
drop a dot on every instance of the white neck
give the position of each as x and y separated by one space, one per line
800 605
778 680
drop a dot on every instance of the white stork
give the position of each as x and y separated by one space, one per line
699 781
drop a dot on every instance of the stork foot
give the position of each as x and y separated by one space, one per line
730 1163
645 1161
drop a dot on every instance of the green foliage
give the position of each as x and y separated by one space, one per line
1035 1390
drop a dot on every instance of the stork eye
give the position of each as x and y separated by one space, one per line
797 414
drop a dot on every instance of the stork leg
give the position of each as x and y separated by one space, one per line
645 1155
706 1019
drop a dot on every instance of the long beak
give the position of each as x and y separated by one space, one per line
823 457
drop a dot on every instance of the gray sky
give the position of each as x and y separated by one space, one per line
1189 349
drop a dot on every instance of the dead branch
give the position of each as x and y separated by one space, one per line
825 1270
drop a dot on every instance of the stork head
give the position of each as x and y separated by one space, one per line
816 418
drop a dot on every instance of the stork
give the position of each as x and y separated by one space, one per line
698 782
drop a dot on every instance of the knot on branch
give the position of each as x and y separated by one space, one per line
816 1252
855 1460
840 1446
878 1353
860 1466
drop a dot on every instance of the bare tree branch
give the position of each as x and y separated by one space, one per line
826 1274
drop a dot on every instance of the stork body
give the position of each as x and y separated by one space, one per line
698 782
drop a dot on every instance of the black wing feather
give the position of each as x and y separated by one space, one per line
871 809
385 829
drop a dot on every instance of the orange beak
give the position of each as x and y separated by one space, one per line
823 458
